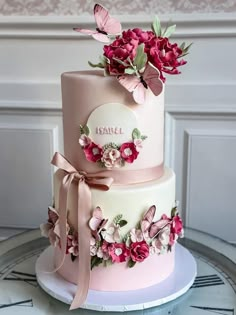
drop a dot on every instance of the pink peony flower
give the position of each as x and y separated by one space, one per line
128 152
139 251
124 47
93 152
118 252
111 158
164 55
84 141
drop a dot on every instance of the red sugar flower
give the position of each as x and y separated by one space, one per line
93 152
118 252
139 251
129 152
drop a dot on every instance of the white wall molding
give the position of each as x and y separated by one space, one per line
58 27
211 97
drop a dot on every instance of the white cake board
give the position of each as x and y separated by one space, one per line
174 286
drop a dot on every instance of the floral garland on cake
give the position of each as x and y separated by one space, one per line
108 245
138 59
111 154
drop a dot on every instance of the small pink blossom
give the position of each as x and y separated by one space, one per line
112 233
111 158
163 238
72 244
139 251
93 152
138 144
118 252
136 235
128 152
84 140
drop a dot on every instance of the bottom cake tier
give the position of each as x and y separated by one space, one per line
133 232
118 276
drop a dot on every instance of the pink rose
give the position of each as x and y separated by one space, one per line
111 158
164 55
93 152
139 251
129 152
118 252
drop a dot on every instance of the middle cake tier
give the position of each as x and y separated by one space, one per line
124 219
130 201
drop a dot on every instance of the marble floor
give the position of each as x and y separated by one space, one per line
9 232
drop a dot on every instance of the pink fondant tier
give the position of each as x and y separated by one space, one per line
119 277
85 91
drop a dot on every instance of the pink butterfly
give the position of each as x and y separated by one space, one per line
150 228
138 85
97 222
106 25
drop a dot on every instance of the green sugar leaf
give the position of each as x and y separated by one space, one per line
136 134
95 261
169 31
140 59
130 70
156 26
143 137
98 65
86 130
73 257
117 219
121 62
131 263
122 223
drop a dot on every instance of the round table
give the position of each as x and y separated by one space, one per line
213 292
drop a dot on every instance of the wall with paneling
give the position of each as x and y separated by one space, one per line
200 127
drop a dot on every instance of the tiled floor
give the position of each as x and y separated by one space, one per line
9 232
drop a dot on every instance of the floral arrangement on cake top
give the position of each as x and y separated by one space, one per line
108 245
139 59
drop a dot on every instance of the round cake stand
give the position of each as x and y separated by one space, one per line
174 286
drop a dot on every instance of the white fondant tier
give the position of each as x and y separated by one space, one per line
83 93
132 201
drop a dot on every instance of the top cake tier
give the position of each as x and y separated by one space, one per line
105 131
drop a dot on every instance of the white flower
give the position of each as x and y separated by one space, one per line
136 235
112 233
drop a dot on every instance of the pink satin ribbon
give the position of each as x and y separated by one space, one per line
101 180
85 181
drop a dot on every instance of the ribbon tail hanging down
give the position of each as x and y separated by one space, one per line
84 235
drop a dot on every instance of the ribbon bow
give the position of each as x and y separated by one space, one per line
85 181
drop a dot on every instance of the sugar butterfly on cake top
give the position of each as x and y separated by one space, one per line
106 25
137 58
